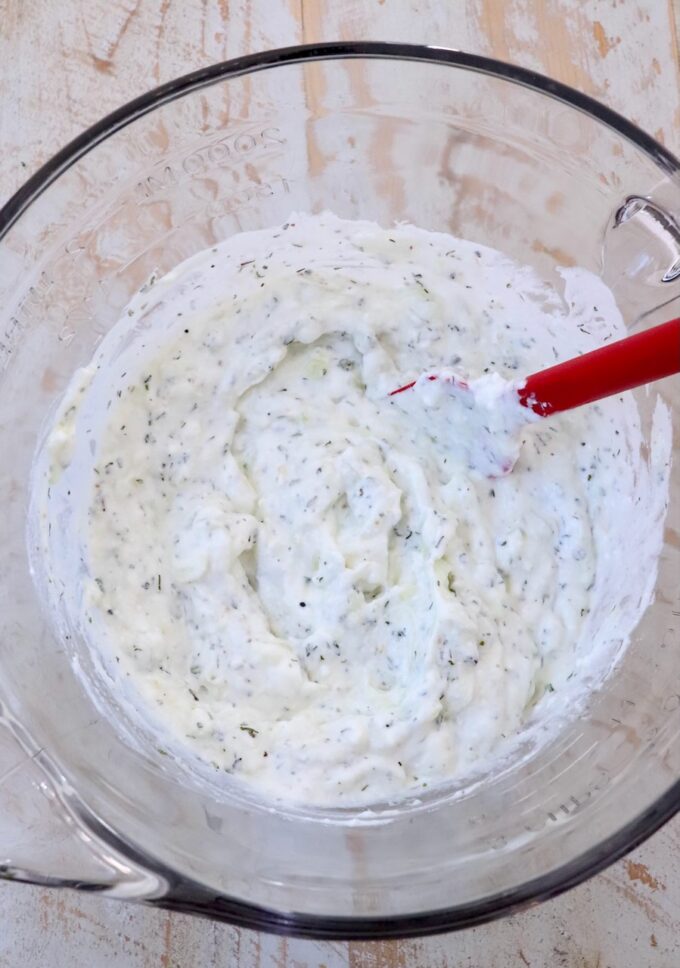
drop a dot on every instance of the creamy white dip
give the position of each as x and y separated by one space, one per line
310 584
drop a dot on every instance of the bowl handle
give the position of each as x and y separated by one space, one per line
641 257
47 835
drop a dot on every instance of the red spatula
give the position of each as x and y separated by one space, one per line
620 366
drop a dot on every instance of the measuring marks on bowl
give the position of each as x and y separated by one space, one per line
239 148
148 221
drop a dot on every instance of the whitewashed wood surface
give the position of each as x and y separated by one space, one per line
64 63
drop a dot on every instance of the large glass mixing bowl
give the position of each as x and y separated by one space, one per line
452 142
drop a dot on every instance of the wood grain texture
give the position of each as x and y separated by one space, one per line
63 66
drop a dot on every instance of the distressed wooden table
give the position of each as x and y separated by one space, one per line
63 65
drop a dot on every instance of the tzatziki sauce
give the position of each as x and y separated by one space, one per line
308 585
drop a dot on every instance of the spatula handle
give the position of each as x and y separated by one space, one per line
627 363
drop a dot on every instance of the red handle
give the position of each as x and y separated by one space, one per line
628 363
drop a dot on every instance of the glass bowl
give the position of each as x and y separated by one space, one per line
453 142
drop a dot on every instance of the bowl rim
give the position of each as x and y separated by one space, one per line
332 50
185 894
